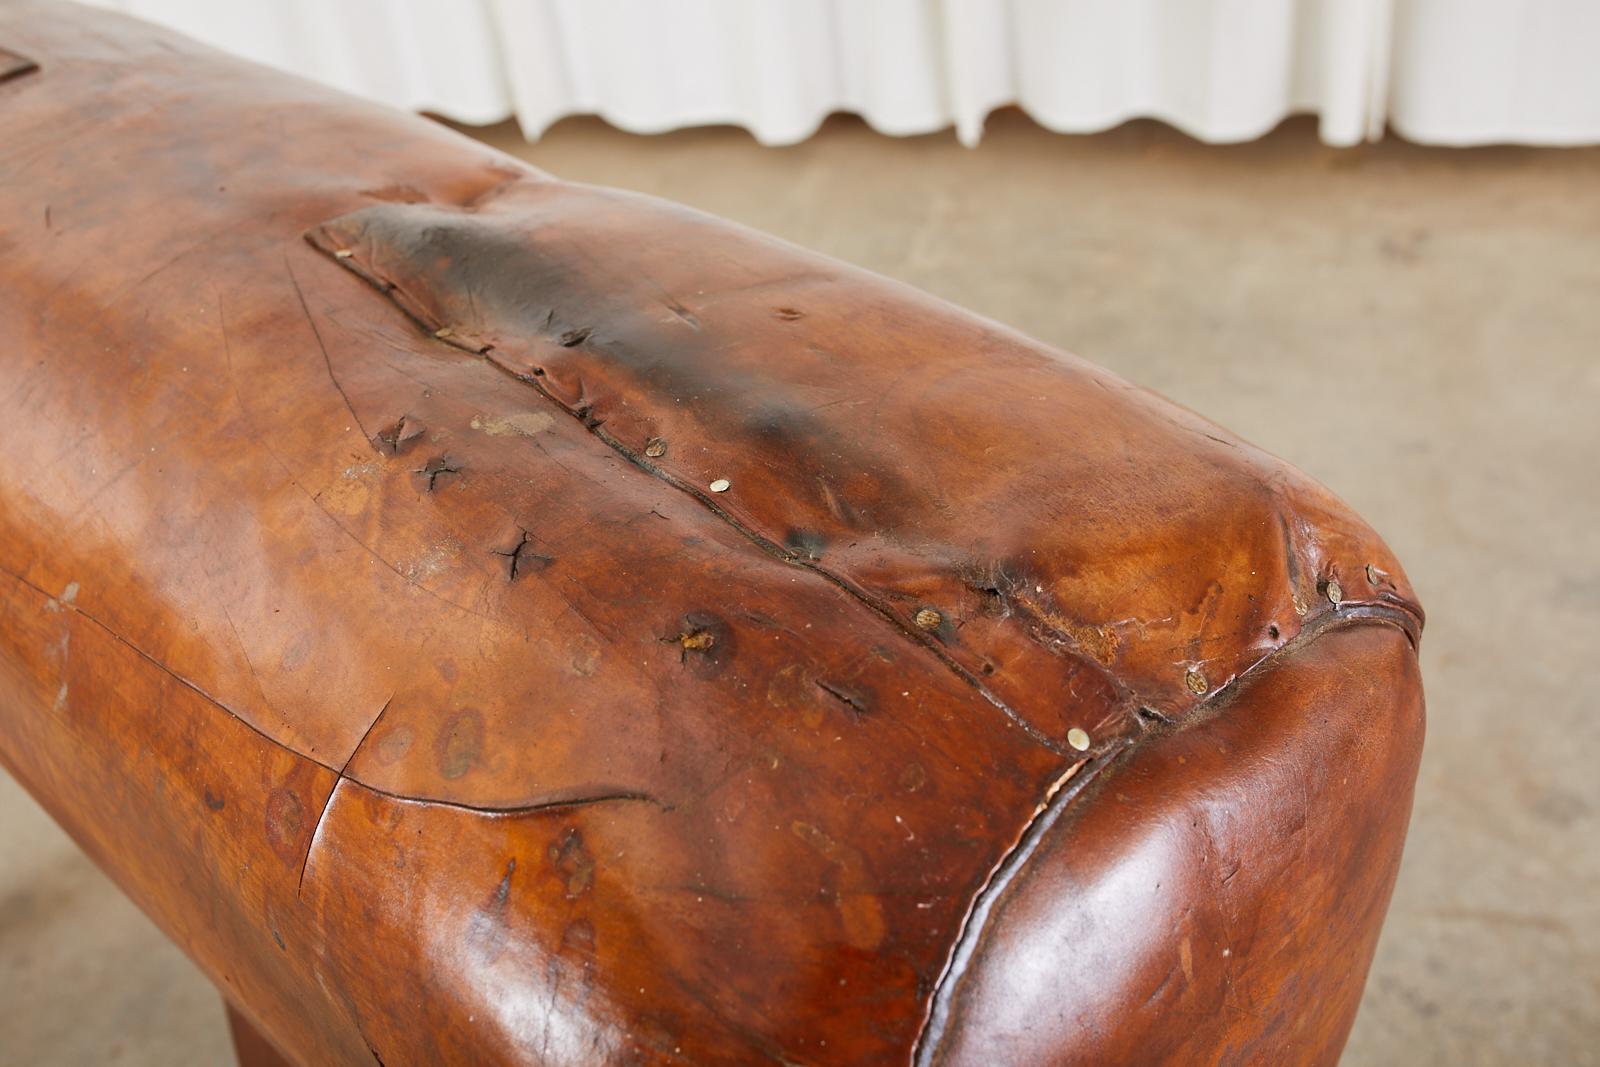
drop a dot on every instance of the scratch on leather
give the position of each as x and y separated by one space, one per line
604 795
159 665
327 801
607 794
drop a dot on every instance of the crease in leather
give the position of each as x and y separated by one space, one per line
556 803
164 668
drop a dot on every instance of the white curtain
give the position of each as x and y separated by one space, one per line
1437 71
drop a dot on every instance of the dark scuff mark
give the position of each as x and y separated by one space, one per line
805 544
572 861
991 583
214 802
486 930
525 279
858 702
684 315
1151 715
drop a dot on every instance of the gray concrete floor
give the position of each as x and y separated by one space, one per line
1420 329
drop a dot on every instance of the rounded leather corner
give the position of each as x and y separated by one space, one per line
1217 896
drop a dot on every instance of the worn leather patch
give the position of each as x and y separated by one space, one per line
14 66
800 400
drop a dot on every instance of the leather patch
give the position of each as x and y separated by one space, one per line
15 66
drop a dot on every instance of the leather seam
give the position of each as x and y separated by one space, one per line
942 1001
409 307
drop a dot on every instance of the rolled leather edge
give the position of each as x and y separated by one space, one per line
1216 896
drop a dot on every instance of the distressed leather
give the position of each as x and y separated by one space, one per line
485 618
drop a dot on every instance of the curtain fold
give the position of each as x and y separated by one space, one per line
1437 71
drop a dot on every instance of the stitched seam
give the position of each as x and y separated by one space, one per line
941 1003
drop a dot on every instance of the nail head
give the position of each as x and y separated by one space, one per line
720 485
1196 681
655 448
1078 738
928 619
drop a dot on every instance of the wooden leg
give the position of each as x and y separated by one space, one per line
249 1045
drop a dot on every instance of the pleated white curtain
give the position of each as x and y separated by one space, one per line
1438 71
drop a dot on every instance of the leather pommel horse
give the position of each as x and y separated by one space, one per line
486 619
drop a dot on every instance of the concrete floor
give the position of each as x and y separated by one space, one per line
1420 329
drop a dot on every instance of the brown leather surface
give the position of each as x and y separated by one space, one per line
1227 883
372 612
